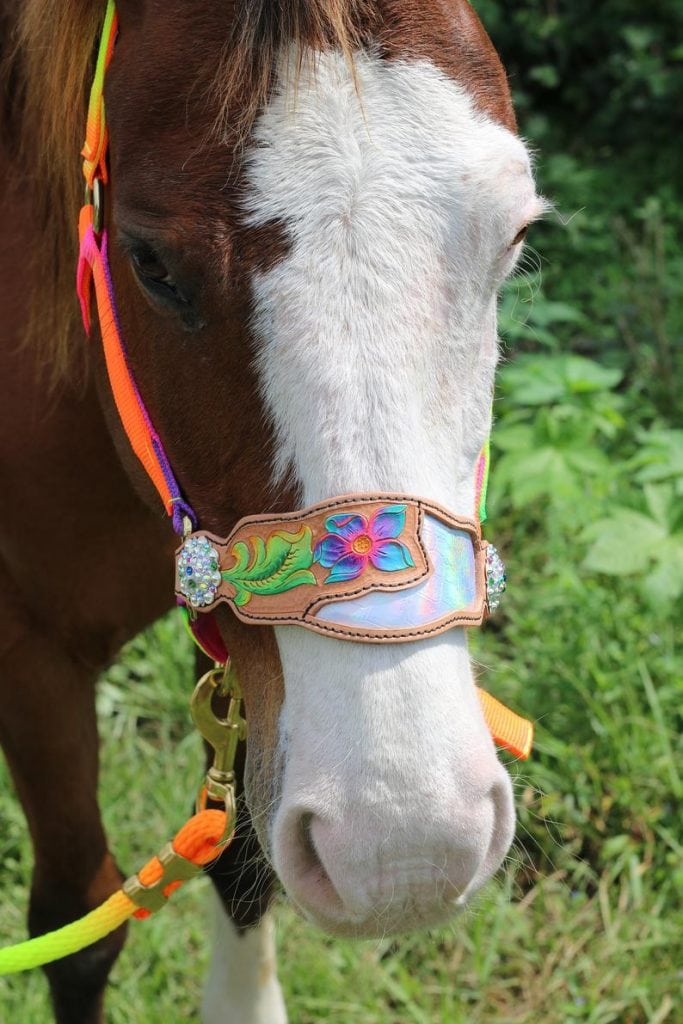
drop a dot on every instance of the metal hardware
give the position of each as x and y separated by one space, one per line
95 197
175 868
223 734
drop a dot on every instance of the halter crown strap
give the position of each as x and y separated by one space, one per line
93 268
94 150
482 482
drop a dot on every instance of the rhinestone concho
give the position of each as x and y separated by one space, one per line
198 572
495 577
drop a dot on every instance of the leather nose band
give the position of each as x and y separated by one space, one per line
370 567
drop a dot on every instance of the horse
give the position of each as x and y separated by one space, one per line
311 207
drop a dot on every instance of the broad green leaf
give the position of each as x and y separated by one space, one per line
588 460
659 500
624 543
519 437
544 471
534 380
661 456
547 312
664 583
587 375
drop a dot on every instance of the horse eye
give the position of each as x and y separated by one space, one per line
520 236
155 277
148 265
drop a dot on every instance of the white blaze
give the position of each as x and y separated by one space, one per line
377 349
378 328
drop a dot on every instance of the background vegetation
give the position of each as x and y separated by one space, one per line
586 923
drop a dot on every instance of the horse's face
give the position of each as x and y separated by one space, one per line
312 316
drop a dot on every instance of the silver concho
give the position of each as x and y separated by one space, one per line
198 572
495 577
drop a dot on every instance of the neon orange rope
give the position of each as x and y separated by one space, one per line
196 841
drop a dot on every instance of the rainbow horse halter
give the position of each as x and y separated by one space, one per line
375 568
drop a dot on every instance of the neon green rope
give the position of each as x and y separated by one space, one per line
69 939
100 66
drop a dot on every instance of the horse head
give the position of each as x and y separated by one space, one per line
309 217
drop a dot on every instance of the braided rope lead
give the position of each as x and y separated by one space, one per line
195 846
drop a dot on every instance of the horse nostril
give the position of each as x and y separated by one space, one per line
308 850
308 865
359 874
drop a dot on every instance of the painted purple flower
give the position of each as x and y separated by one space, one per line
352 541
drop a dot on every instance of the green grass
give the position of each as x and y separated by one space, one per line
581 927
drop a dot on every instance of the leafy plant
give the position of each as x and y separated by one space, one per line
648 543
558 411
659 457
526 315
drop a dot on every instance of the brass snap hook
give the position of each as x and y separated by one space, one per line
223 734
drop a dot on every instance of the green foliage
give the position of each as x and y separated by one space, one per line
597 89
648 543
558 415
588 462
610 73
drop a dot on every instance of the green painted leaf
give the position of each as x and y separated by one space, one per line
241 553
272 567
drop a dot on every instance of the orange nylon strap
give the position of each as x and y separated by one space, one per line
508 730
94 150
197 842
141 434
93 267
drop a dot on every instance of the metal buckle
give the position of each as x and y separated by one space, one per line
175 868
95 197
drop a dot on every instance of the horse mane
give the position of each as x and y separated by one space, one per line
47 59
266 27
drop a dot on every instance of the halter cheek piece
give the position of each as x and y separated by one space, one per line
377 568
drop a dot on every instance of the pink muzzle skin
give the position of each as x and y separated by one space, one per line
376 568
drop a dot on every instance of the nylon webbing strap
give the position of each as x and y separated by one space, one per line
94 150
93 267
510 731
